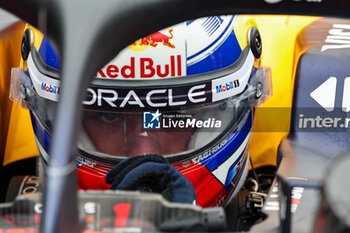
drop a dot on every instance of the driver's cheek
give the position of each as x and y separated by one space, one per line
175 142
108 143
107 138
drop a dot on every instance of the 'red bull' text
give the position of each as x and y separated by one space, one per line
148 68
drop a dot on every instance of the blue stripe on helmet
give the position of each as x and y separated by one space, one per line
189 22
233 142
231 175
44 162
41 134
224 56
49 55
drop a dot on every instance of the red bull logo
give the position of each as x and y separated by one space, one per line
154 40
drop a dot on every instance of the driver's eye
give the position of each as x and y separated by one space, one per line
109 117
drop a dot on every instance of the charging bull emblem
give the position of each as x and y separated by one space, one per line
156 38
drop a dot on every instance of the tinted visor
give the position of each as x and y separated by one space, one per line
161 132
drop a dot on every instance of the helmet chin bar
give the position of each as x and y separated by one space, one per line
63 18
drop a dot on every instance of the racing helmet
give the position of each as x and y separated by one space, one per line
186 93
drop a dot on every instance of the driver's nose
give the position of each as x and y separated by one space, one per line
140 145
139 142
